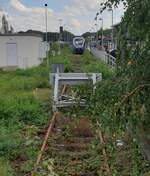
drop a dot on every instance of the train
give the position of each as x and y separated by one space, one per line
78 45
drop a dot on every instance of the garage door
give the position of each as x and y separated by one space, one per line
11 49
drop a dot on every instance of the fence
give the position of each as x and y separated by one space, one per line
107 58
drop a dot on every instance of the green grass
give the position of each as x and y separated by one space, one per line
20 108
24 109
91 64
64 58
88 62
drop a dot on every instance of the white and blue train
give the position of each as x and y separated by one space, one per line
78 45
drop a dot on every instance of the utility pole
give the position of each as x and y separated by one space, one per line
66 32
60 25
112 33
96 32
93 33
90 42
102 32
46 35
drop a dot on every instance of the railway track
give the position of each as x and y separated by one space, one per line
76 63
68 146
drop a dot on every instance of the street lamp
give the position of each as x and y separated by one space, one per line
93 33
101 19
112 34
71 32
46 33
60 35
66 29
60 22
90 37
60 25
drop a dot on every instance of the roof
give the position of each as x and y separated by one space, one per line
22 34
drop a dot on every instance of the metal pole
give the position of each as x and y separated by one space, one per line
66 29
67 35
60 24
102 34
46 34
96 32
102 31
112 29
112 33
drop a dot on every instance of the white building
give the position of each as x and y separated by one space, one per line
21 50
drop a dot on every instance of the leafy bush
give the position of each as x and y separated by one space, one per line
10 141
62 59
55 47
23 107
23 80
99 67
40 71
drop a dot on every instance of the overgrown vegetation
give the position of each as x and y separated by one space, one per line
91 64
25 110
22 108
87 62
121 105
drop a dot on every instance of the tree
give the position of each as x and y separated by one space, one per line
5 26
11 29
134 68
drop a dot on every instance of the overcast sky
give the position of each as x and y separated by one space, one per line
78 15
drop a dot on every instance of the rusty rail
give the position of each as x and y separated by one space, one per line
49 131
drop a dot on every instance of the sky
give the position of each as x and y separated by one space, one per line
77 15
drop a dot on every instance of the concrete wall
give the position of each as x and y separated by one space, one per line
28 50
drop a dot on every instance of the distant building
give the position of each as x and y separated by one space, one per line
21 50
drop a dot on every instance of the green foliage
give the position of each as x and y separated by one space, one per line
55 47
133 62
10 141
121 105
40 71
27 166
63 58
23 80
20 107
24 107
